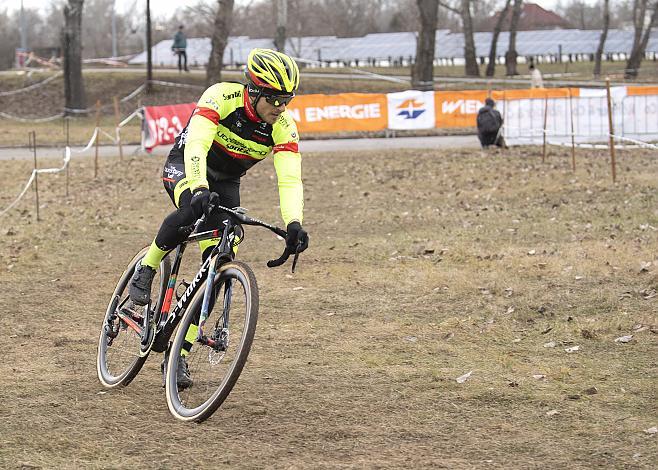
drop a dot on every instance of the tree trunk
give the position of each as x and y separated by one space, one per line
641 39
422 73
219 40
281 21
604 35
511 55
74 86
471 65
491 66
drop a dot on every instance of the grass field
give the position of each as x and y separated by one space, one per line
424 266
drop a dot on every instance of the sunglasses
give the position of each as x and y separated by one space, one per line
276 100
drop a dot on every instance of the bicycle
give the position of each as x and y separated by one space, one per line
216 354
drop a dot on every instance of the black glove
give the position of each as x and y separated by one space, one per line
199 202
297 238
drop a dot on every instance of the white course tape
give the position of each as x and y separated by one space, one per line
31 87
20 119
177 85
137 91
109 136
638 143
65 163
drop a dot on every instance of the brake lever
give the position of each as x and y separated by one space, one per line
294 260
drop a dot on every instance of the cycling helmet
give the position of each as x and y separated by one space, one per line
272 73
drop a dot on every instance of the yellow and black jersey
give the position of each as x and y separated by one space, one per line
225 137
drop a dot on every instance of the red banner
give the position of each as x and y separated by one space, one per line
163 123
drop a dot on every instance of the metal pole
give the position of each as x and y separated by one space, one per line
611 131
32 137
115 52
23 32
543 155
149 60
573 137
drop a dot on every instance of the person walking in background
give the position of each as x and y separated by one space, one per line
179 46
489 124
536 80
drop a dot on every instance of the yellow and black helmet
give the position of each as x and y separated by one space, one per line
272 72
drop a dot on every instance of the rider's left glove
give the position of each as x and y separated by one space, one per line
297 238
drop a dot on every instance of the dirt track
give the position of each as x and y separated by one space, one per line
423 266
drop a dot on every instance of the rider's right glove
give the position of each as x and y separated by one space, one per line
199 202
297 238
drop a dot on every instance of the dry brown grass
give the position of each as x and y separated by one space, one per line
423 266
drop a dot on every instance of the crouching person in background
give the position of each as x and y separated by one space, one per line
490 124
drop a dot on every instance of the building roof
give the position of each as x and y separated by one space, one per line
533 17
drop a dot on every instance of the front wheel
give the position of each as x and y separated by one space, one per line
215 360
122 351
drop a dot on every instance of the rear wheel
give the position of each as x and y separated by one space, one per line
215 361
122 350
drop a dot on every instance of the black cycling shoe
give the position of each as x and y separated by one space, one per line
140 284
183 378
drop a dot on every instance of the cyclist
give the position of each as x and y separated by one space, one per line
233 127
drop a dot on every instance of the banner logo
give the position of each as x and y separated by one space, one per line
411 109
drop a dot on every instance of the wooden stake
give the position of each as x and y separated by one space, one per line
611 131
32 138
117 116
543 155
573 137
66 124
98 135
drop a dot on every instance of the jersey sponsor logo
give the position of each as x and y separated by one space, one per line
231 96
411 109
182 139
212 104
342 111
290 147
173 172
461 107
236 146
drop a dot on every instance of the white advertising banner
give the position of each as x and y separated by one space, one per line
411 109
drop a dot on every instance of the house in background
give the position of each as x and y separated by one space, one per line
533 17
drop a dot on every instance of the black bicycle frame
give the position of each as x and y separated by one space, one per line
170 317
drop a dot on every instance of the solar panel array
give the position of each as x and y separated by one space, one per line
392 46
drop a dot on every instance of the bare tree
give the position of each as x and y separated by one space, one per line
511 54
74 87
641 36
422 73
219 39
603 37
281 20
491 66
470 57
